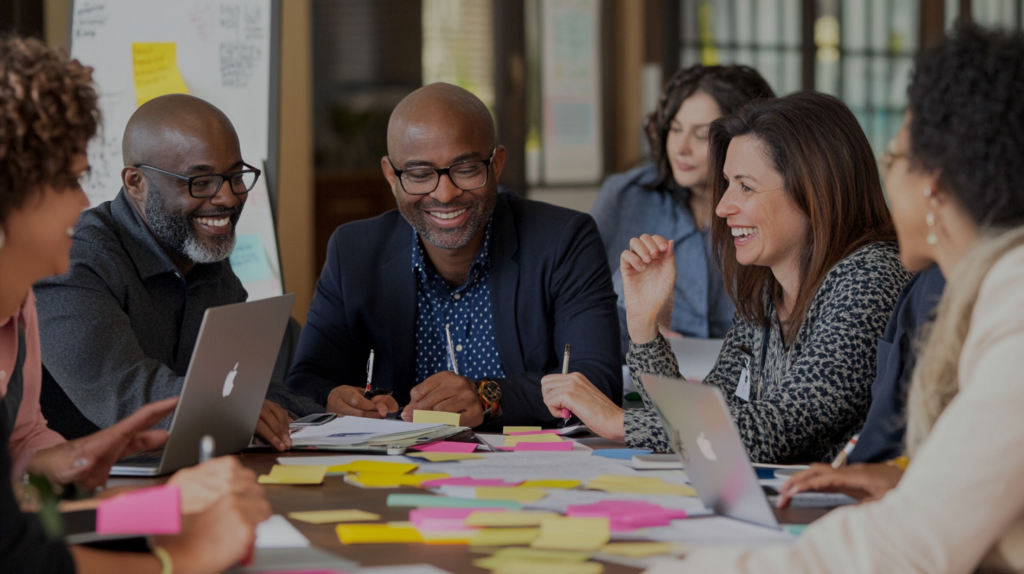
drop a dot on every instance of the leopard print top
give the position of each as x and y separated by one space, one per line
813 397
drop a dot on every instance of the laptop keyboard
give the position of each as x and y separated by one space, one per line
152 456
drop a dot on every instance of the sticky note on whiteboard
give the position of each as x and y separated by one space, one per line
249 259
155 70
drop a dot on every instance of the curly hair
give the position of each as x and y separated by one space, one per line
732 87
47 115
966 100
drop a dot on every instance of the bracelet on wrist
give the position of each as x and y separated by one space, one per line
166 564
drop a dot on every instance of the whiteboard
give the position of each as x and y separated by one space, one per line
226 51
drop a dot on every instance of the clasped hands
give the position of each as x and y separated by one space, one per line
444 391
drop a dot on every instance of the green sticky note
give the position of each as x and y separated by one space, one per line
249 259
430 501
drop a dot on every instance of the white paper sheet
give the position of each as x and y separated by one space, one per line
558 500
277 532
355 430
716 531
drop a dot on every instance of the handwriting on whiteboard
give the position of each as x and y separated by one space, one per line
89 18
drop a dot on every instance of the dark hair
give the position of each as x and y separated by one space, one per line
828 169
967 121
47 115
732 87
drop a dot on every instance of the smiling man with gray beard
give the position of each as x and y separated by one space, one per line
466 296
118 330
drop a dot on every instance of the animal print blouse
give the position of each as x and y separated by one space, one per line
807 402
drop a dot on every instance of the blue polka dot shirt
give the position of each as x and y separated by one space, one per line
466 310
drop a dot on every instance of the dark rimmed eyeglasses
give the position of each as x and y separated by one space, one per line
208 185
465 175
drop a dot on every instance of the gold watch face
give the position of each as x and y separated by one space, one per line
490 391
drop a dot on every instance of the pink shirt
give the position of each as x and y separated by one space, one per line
30 431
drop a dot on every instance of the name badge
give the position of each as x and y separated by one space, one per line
743 388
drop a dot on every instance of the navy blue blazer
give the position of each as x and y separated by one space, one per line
549 286
882 437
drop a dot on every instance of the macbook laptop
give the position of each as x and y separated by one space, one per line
225 385
703 434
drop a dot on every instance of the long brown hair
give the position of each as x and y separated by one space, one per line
815 143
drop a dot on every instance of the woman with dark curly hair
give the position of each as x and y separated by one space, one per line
47 115
952 178
670 197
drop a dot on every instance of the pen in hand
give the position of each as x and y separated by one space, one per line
451 350
566 415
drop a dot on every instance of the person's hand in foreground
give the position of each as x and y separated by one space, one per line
203 485
448 392
219 537
865 482
273 426
86 461
347 400
574 392
648 271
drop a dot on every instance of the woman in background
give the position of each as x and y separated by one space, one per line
671 197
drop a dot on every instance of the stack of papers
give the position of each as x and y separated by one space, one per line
357 433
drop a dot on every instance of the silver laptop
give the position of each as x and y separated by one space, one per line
224 388
702 432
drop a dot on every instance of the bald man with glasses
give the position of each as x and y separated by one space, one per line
466 296
118 330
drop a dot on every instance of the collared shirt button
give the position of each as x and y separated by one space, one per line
457 296
458 347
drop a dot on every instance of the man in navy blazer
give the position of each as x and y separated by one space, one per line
511 280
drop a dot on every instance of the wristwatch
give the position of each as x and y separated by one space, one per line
490 397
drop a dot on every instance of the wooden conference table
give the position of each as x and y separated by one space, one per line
335 493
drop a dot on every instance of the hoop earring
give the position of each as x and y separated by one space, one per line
929 220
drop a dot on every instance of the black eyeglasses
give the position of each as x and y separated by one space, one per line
207 185
465 175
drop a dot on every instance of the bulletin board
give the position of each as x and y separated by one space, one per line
225 52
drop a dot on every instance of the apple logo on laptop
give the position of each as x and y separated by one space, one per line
229 381
705 448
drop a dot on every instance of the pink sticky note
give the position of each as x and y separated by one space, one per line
447 446
624 516
155 510
544 446
444 518
546 431
466 481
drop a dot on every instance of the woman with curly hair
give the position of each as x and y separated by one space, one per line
952 178
47 115
670 197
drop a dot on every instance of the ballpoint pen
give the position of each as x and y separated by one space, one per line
841 459
566 415
451 350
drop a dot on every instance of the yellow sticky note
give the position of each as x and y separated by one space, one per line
638 549
504 536
559 533
507 430
508 566
376 534
443 456
376 480
331 516
442 538
375 467
510 493
294 474
638 485
155 70
520 553
514 440
550 483
436 417
506 519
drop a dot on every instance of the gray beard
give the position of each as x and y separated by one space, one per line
177 233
